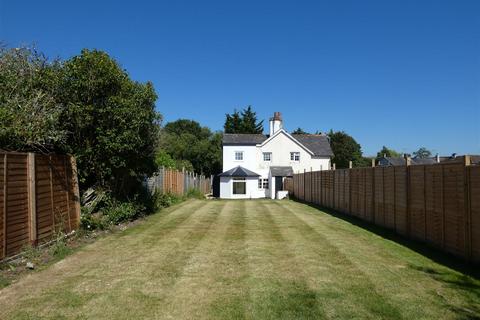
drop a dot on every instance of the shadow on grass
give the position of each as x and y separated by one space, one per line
440 257
466 279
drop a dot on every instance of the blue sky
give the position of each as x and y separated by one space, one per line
399 73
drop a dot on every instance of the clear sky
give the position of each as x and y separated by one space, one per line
399 73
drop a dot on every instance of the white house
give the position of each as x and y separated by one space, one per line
255 165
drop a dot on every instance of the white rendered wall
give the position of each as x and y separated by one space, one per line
252 191
280 147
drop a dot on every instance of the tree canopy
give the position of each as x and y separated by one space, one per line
346 149
243 122
299 131
422 153
29 108
86 106
187 142
386 152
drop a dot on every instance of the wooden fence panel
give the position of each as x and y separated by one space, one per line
3 172
369 193
379 197
434 205
17 231
438 204
45 212
353 192
454 208
474 211
389 197
417 202
32 188
401 212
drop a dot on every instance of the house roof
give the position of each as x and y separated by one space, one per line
400 161
243 138
281 171
318 144
239 172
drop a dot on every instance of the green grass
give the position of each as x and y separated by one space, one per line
215 259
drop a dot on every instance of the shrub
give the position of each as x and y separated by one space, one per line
195 193
166 200
59 248
120 211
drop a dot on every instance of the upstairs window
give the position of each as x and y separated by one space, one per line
267 156
238 155
295 156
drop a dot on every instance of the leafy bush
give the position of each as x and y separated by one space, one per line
120 212
59 248
195 193
89 221
166 200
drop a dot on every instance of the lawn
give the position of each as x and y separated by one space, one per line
260 259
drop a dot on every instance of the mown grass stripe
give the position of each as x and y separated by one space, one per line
355 286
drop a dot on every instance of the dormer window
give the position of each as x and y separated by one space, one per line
295 156
267 156
238 155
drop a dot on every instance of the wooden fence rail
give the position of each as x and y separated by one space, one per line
438 204
39 197
178 182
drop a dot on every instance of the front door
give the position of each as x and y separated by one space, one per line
278 184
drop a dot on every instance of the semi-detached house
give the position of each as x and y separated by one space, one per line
256 165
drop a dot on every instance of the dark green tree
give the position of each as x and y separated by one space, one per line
345 149
186 141
249 121
299 131
111 120
29 108
244 122
422 153
233 123
386 152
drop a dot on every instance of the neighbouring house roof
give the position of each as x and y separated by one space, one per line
281 171
400 161
239 172
243 138
318 144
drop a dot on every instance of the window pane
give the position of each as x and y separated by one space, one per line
260 183
238 155
239 187
267 156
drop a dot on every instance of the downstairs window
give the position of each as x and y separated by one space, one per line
239 186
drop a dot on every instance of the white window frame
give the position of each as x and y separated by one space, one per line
238 153
295 156
269 154
239 180
263 183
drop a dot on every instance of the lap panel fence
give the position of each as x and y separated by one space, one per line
436 203
39 198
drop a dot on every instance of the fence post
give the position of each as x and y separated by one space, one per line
373 191
183 181
304 184
32 207
76 188
5 177
311 185
350 164
408 162
468 211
